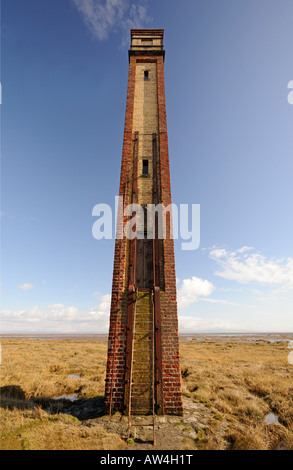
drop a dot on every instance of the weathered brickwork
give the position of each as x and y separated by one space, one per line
146 115
145 121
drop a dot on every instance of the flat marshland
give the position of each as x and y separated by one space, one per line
241 393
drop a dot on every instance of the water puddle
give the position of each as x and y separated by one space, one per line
71 398
271 418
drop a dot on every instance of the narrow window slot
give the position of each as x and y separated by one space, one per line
145 167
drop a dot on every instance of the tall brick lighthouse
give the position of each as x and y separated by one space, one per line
143 367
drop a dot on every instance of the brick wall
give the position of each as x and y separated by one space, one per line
145 113
115 376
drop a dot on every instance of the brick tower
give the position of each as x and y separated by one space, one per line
143 366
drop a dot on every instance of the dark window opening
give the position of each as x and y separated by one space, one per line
145 167
146 75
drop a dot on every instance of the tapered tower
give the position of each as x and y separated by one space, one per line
143 367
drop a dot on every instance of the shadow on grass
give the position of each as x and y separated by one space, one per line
13 397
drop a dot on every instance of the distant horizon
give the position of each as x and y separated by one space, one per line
188 333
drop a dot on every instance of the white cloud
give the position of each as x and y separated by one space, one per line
104 16
26 286
58 318
218 253
245 266
244 249
195 324
105 303
192 289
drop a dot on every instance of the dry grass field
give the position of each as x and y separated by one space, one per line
242 383
236 384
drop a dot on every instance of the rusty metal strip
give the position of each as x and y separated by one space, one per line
134 198
156 254
135 168
154 380
131 288
130 329
158 350
156 293
155 171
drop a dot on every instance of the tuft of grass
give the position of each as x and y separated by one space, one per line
60 432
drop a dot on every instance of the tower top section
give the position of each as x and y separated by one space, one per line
147 42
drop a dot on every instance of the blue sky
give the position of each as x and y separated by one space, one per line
64 80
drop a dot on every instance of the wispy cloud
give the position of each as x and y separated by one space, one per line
247 266
105 16
56 306
196 289
227 302
18 218
196 324
25 287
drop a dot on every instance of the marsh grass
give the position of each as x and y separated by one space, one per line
241 383
33 374
238 384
